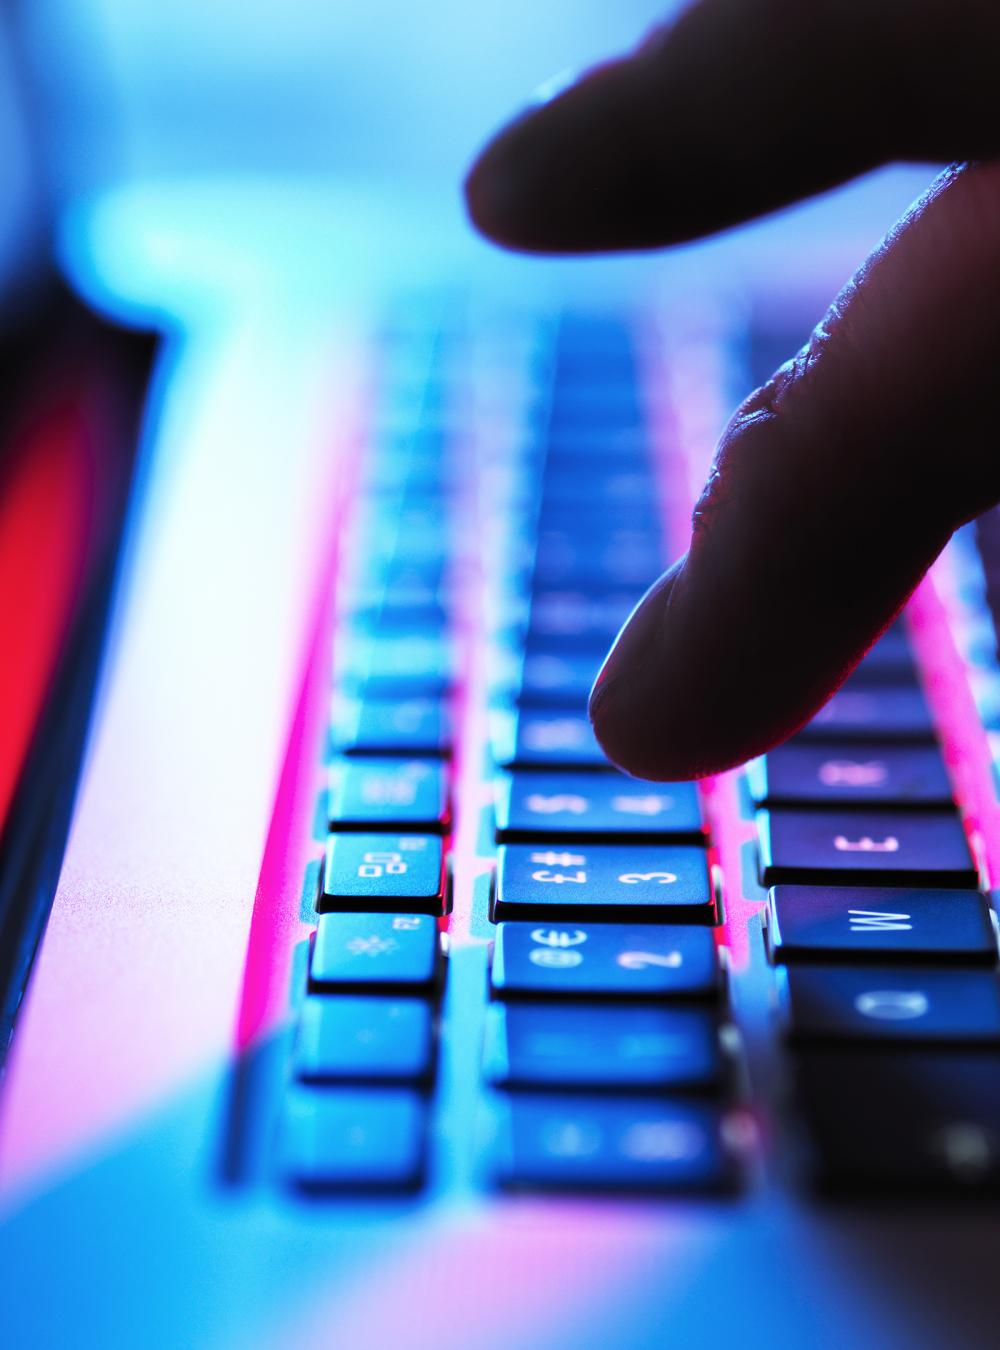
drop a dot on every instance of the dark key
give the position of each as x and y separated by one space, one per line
605 807
415 726
619 883
388 792
873 923
392 667
890 661
862 712
589 620
588 1143
851 774
573 1046
560 738
377 871
355 1139
373 951
871 847
604 961
364 1039
836 1003
551 679
916 1121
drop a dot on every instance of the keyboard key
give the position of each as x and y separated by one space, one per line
355 1139
859 712
890 661
560 738
618 883
614 961
802 774
373 951
567 1046
888 1003
364 1038
581 619
587 1143
548 679
377 871
917 1121
532 804
416 726
388 792
873 847
398 666
867 922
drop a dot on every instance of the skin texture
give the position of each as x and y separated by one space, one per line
837 484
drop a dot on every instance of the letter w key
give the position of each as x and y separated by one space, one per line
878 921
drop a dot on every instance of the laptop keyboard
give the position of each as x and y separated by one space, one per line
503 527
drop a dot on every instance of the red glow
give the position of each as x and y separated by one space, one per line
46 517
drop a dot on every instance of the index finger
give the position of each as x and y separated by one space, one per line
735 109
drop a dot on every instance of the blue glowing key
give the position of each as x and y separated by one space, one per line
635 882
411 726
370 952
566 1142
606 961
575 1046
891 1003
354 1139
357 1038
383 872
852 923
606 807
386 792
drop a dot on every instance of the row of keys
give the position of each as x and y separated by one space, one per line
366 1042
605 974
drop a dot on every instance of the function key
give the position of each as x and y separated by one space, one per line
588 1143
642 883
920 1121
604 961
388 792
860 712
369 951
873 847
560 738
868 922
532 804
838 1003
355 1139
415 726
567 1046
364 1038
851 774
377 871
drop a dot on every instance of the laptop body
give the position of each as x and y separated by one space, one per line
144 1161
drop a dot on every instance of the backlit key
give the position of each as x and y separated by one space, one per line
355 1139
532 804
350 1038
863 712
401 727
592 1143
546 738
851 774
572 1046
607 961
873 848
838 1003
369 952
617 883
383 872
858 923
388 792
